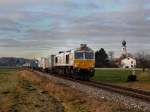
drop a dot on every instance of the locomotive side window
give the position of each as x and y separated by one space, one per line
56 60
67 59
89 55
79 55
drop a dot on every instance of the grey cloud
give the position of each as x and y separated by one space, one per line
8 25
97 28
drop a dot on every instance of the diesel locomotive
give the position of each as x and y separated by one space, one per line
77 63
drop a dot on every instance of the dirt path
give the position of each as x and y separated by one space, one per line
17 95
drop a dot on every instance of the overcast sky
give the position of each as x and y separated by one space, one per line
35 28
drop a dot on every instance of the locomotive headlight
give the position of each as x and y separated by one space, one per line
91 70
92 66
76 65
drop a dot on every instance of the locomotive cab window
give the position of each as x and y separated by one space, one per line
89 55
79 55
67 59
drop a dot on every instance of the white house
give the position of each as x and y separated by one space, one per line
128 62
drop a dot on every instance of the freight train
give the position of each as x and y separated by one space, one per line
77 63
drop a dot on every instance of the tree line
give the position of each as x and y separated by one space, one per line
104 59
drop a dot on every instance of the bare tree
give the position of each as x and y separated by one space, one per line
112 62
111 55
143 60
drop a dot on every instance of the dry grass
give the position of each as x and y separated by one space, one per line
73 100
7 85
17 95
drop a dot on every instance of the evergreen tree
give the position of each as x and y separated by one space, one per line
101 58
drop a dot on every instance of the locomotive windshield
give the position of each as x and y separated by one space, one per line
84 55
79 55
89 55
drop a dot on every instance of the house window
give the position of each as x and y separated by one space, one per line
127 67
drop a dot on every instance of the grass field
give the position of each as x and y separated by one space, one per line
119 75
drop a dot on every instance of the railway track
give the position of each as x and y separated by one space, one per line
134 93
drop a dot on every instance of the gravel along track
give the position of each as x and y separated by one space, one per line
129 102
135 93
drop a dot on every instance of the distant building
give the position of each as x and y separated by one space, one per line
26 65
126 61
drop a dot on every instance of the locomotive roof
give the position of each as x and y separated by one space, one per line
83 47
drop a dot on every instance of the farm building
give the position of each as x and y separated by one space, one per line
128 62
